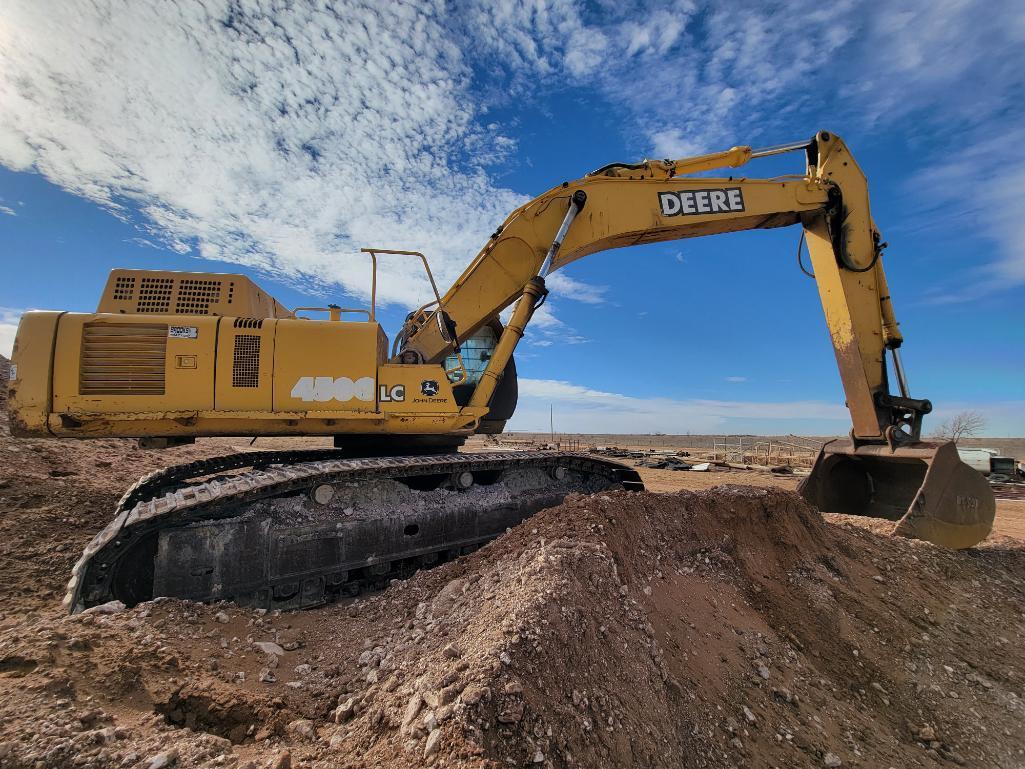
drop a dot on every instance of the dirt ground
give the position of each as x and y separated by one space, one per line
722 627
1009 522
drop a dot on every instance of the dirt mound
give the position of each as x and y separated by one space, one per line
725 628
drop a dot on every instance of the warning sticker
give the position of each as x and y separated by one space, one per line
183 332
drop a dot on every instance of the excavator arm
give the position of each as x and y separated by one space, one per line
884 469
655 201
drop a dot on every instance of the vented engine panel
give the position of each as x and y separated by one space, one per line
121 359
245 366
150 292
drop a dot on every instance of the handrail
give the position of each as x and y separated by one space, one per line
438 314
373 285
335 311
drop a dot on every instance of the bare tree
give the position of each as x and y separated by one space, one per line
963 425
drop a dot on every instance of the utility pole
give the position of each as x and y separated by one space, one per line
551 421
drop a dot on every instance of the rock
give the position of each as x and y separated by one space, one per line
749 715
337 739
433 743
267 676
412 710
269 647
448 694
512 712
453 589
345 711
303 670
302 728
472 695
110 607
282 760
163 760
223 618
430 721
763 671
505 658
513 687
783 695
831 761
539 757
926 733
451 651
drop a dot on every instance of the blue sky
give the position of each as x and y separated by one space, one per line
232 137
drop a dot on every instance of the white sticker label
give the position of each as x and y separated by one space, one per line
183 332
13 372
392 394
324 388
695 202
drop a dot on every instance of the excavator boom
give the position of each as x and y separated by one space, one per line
172 356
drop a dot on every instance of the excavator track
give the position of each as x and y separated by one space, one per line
292 529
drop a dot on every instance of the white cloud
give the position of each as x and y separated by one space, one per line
672 144
967 194
585 51
656 33
563 285
8 211
582 409
8 327
284 138
736 379
284 142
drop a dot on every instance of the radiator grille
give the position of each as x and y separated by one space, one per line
155 295
195 296
248 322
124 288
124 359
245 367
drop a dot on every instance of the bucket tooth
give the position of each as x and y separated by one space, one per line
925 488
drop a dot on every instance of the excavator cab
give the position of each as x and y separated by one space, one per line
923 487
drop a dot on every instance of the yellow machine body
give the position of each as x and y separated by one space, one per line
103 375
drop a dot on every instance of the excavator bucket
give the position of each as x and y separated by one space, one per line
925 488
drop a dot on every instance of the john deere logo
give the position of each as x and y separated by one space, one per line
695 202
429 388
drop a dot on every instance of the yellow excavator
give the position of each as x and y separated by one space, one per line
169 357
